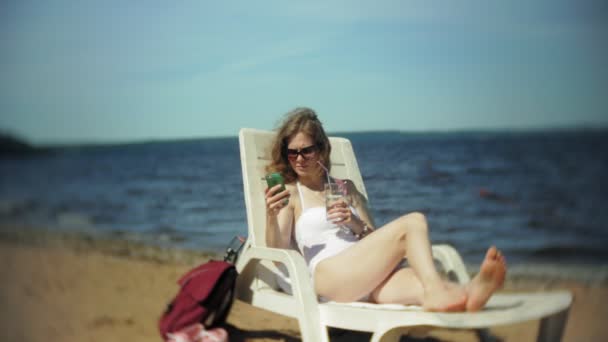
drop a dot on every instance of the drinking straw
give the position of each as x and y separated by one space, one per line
326 171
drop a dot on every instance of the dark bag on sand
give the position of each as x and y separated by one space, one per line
205 295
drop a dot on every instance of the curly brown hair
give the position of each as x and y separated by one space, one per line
298 120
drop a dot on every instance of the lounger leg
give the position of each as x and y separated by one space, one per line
484 335
390 335
312 332
552 327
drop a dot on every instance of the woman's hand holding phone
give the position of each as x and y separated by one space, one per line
276 195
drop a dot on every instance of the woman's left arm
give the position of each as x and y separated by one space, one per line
363 224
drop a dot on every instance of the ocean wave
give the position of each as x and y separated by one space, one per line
570 252
17 207
555 271
74 220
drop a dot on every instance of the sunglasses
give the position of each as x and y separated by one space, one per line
306 153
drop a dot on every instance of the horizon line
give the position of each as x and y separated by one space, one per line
134 141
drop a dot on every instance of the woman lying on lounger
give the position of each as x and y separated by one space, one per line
343 247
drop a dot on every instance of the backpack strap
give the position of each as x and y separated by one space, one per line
233 249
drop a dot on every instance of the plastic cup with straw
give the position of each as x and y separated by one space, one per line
326 171
334 194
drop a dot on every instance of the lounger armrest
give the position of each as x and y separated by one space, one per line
296 266
451 262
303 293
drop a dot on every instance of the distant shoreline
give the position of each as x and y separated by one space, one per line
46 146
11 146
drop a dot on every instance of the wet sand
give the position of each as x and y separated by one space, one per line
85 290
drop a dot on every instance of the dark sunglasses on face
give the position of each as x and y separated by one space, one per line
306 152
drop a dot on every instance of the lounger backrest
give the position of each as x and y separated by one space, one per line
255 155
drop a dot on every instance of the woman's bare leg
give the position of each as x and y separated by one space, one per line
437 296
367 264
391 290
490 278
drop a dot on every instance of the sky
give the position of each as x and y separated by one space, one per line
115 71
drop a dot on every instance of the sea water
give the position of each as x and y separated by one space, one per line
539 196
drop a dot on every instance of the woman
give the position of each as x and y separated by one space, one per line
366 259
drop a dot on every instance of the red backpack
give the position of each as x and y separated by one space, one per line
205 295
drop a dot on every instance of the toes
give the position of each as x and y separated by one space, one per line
501 258
492 253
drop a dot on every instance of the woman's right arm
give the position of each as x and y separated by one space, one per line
279 218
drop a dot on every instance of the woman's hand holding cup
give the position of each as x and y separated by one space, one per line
339 213
336 205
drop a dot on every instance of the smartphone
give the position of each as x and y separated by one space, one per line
275 178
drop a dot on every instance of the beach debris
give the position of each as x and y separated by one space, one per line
494 196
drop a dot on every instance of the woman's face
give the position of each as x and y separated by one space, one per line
303 154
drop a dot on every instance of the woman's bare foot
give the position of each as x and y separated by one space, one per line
491 277
445 298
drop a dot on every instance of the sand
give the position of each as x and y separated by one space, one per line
89 291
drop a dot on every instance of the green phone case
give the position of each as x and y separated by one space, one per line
275 178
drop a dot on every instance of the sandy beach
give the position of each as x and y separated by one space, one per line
79 289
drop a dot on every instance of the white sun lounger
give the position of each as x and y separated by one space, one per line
259 279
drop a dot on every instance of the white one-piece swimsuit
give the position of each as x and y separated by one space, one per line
317 238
